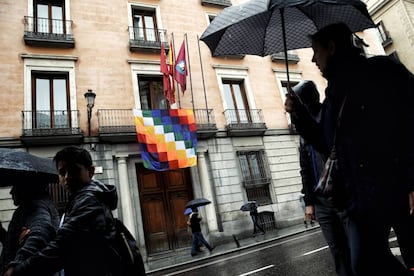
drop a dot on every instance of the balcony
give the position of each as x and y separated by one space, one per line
280 57
118 125
147 40
244 122
45 32
216 3
205 122
45 127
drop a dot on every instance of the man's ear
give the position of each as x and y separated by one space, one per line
91 171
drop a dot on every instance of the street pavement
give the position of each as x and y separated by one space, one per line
182 256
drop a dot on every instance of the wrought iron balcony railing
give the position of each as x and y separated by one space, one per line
205 119
244 122
116 121
244 118
48 32
122 120
147 39
50 123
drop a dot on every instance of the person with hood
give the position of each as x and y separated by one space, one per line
33 224
318 205
82 246
367 126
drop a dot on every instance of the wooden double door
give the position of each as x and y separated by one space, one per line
163 196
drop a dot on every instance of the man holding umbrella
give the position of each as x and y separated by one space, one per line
372 133
197 236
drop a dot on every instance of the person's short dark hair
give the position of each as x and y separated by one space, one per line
338 33
74 155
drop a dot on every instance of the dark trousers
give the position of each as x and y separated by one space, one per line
370 251
332 224
256 225
197 238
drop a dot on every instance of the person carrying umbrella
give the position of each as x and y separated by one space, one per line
255 219
317 205
373 140
83 245
197 236
33 224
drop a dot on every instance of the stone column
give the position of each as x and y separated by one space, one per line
207 191
125 194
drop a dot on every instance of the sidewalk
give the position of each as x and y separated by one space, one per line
182 256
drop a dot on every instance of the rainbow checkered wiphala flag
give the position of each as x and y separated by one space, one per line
167 138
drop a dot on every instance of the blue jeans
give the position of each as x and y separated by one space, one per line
370 252
256 225
197 238
332 224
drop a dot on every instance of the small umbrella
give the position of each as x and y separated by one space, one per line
265 27
17 166
248 206
197 202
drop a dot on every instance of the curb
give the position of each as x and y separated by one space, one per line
213 255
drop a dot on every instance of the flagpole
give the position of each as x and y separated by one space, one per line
202 77
189 69
176 85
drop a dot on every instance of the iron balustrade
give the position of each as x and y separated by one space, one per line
147 37
122 120
204 119
244 118
116 120
50 122
46 28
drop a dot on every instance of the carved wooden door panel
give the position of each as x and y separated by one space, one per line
163 197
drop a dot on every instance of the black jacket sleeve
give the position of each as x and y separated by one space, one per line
306 172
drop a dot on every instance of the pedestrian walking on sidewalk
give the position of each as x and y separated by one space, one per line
197 236
255 219
367 128
319 206
83 243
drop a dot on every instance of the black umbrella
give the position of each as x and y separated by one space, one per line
265 27
17 166
248 206
197 202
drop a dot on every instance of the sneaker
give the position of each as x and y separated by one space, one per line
212 248
193 254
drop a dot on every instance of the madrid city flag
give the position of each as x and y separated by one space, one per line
167 138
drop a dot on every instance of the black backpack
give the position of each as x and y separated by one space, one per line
127 250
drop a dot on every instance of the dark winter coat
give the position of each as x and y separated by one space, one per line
195 222
375 139
41 218
311 167
81 246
